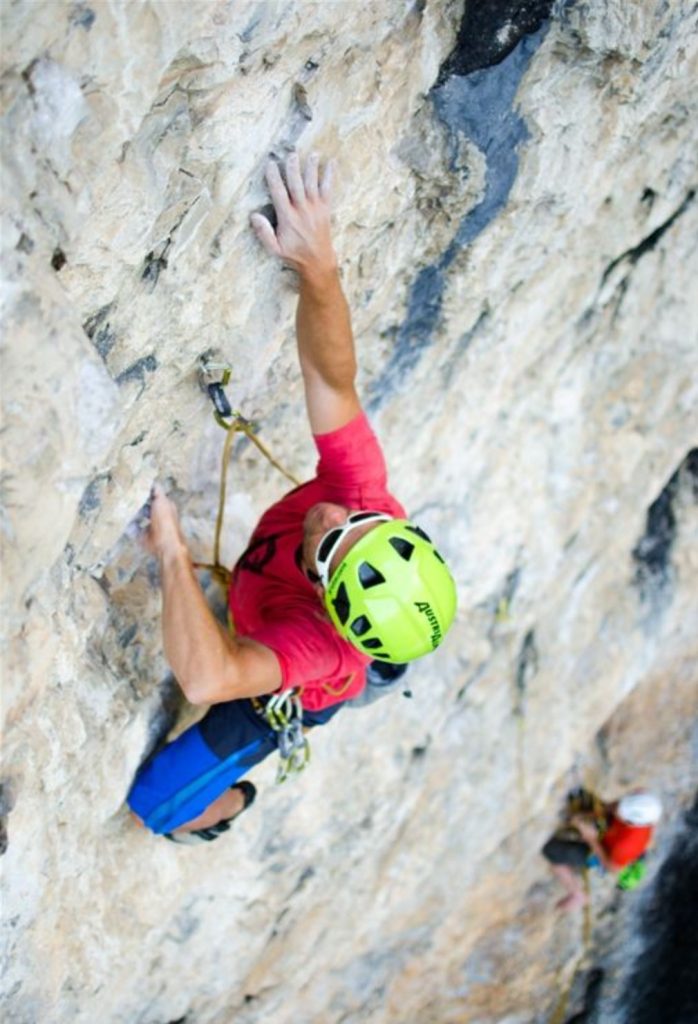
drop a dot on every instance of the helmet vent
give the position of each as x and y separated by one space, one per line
439 557
420 532
372 643
379 654
403 547
360 626
369 576
341 604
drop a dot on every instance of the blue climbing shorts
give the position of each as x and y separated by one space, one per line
179 781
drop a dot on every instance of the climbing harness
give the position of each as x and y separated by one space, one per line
283 712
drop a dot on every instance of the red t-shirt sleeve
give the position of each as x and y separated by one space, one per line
309 651
351 457
625 843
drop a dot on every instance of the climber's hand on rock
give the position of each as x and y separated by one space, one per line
163 537
302 236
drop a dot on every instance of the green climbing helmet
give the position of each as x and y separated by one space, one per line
393 596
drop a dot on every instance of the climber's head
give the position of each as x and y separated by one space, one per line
639 808
385 586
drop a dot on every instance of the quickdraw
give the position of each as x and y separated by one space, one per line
284 713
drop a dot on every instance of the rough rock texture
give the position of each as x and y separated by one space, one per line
517 222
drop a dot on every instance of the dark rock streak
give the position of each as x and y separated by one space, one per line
652 553
477 103
489 31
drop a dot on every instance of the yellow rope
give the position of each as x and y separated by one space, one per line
238 425
246 428
587 922
560 1009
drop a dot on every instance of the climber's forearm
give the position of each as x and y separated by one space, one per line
598 850
302 238
589 833
195 646
326 350
325 342
209 665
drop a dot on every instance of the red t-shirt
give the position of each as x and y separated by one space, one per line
624 843
271 599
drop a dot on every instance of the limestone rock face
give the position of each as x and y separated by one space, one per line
517 224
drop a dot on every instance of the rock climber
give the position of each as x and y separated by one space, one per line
334 577
611 836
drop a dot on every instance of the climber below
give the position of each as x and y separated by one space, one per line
612 837
334 581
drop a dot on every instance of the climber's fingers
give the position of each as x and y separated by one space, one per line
326 181
310 178
277 189
294 181
265 233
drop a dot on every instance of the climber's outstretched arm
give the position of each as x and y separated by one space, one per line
302 239
209 664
